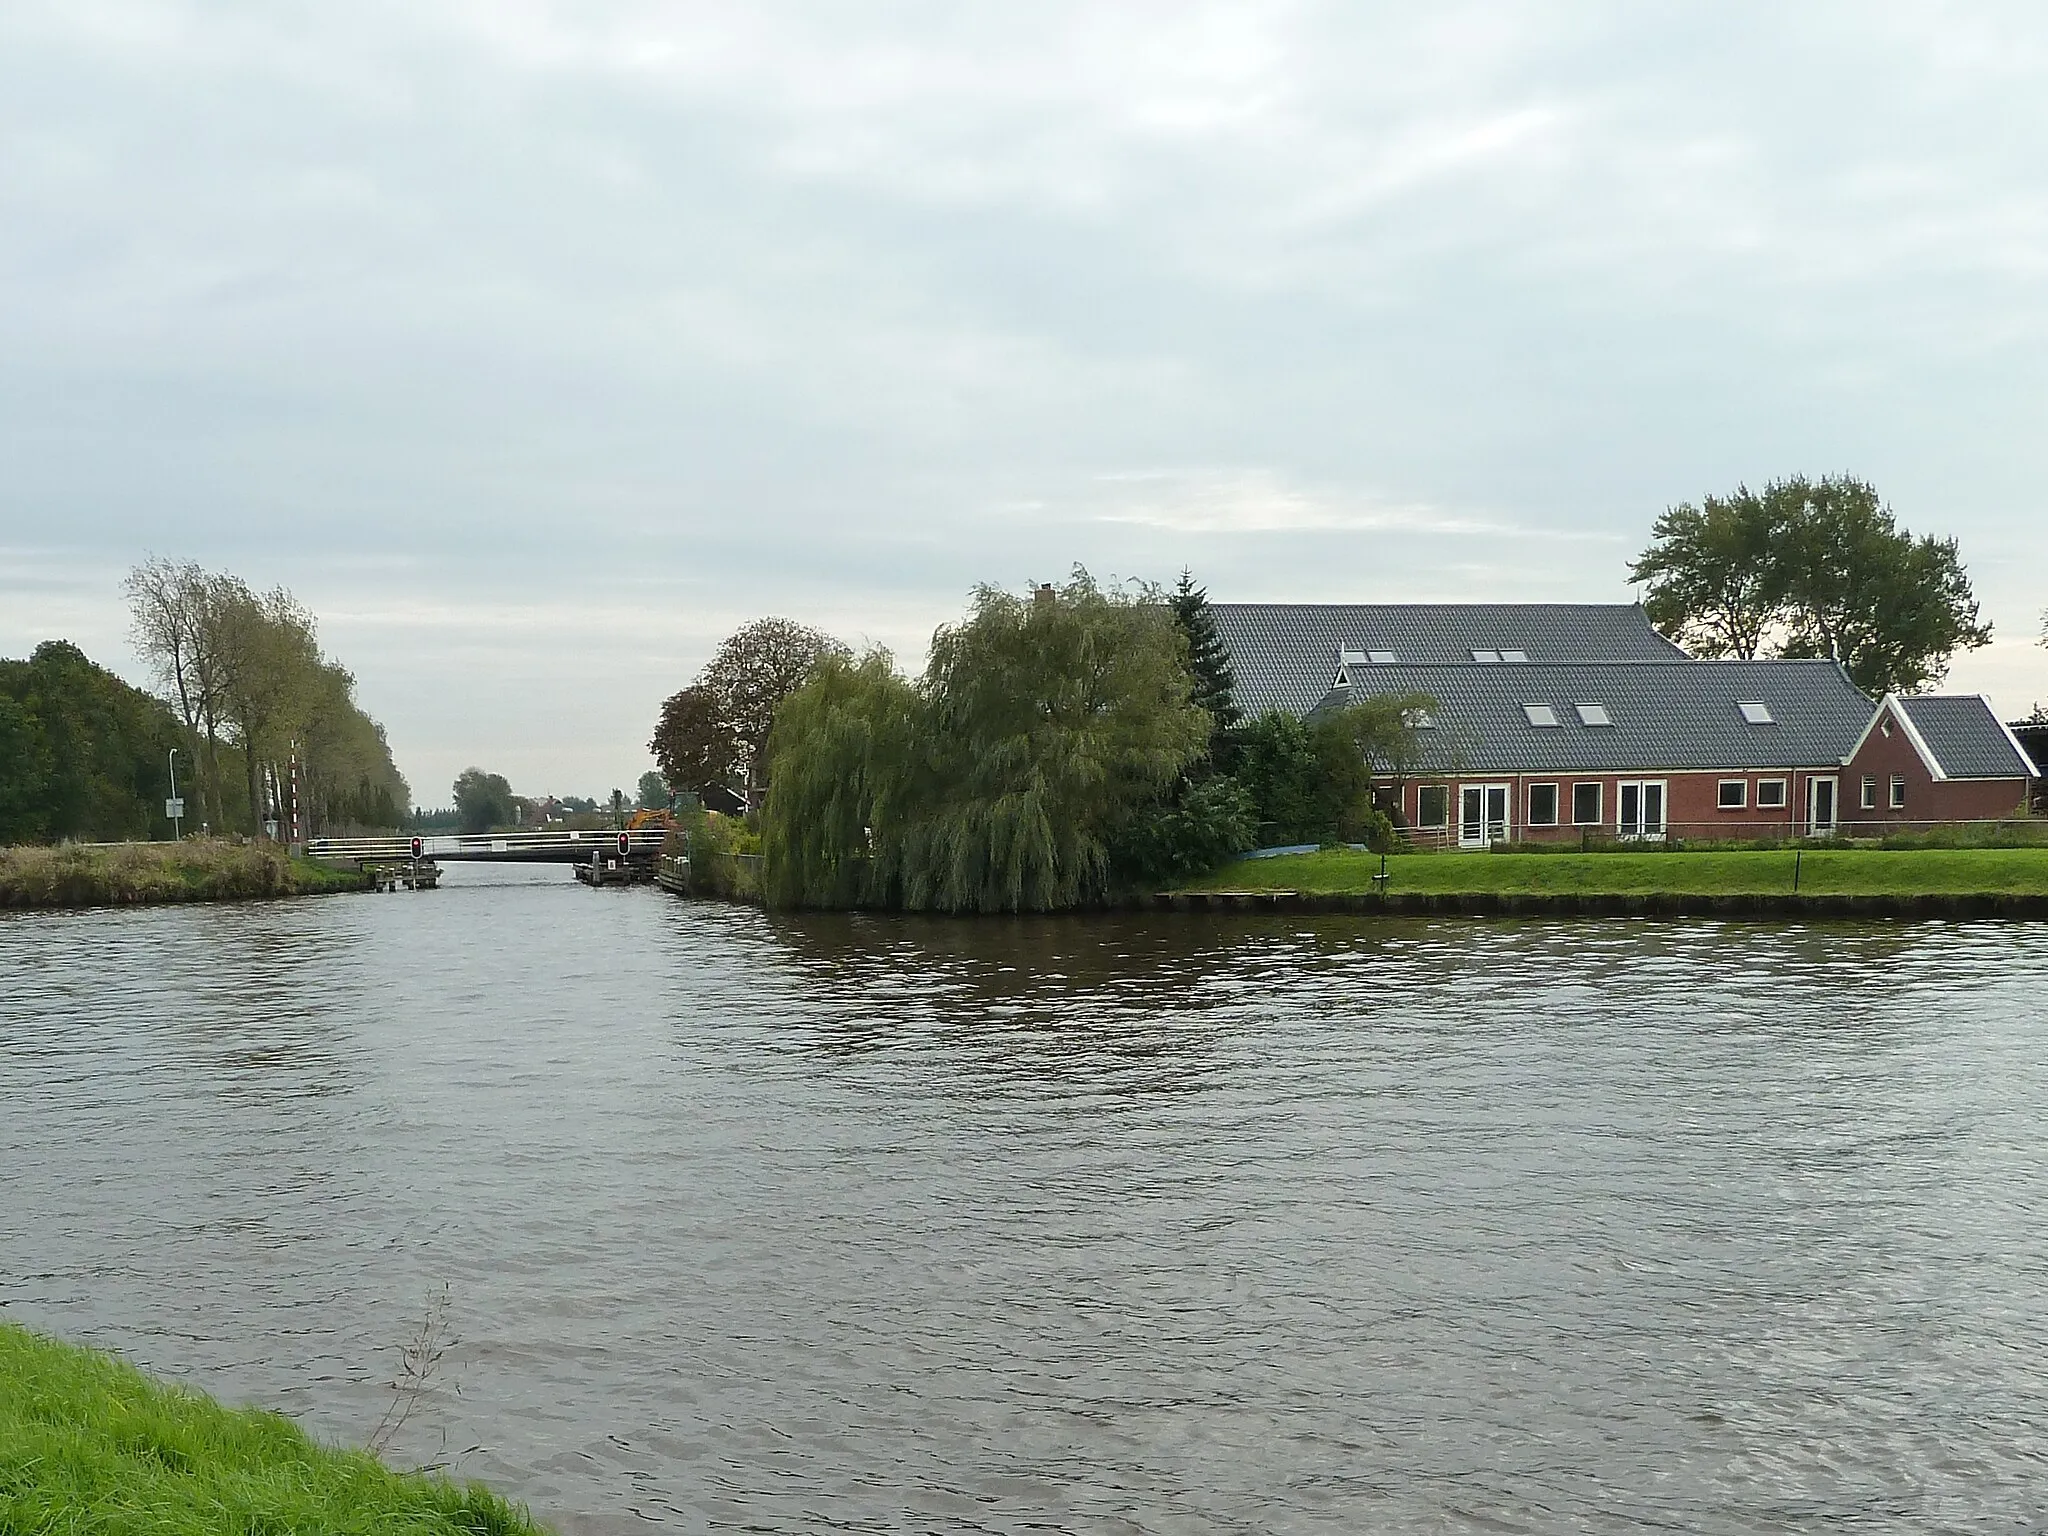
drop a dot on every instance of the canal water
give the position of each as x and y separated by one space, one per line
1135 1224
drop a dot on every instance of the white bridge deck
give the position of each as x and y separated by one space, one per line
501 847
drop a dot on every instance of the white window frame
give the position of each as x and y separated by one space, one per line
1596 717
1599 803
1741 800
1815 826
1542 716
1489 829
1784 794
1645 832
1556 805
1898 794
1869 791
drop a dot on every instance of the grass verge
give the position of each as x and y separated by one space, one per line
1821 872
89 1446
116 874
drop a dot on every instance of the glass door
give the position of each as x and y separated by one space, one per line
1482 815
1640 810
1821 795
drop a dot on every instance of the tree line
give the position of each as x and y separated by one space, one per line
246 676
245 692
83 756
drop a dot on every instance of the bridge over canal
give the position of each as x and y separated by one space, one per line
643 845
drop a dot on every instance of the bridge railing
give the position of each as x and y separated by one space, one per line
641 842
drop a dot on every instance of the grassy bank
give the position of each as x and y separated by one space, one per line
1821 872
99 875
91 1445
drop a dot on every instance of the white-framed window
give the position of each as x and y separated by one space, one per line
1770 794
1418 719
1540 714
1514 655
1486 655
1734 794
1898 791
1586 805
1639 810
1381 658
1757 714
1870 791
1542 805
1433 805
1593 714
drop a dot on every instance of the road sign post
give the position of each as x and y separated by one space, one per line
174 808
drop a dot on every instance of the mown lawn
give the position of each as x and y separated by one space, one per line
90 1446
1822 872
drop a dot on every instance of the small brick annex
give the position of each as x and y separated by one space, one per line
1887 784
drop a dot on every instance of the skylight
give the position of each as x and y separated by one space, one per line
1514 655
1381 658
1418 719
1757 714
1540 714
1351 658
1486 655
1593 714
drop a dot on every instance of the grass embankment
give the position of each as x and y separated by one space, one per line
89 1444
1821 872
116 874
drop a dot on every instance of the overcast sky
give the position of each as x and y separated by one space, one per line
537 345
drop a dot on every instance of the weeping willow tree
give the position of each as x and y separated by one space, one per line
843 755
1000 782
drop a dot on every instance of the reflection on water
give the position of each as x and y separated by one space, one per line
1106 1224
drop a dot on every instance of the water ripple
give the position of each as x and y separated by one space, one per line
1103 1225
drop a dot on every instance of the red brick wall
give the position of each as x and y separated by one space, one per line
1927 799
1692 803
1692 800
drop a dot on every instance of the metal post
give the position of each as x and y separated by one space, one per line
177 822
1798 856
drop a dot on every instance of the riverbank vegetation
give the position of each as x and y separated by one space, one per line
1744 872
1061 748
90 1444
122 874
82 754
245 676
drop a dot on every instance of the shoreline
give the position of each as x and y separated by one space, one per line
86 875
89 1441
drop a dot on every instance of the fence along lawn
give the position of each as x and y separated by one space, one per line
1821 872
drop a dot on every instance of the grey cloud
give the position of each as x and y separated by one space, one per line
499 309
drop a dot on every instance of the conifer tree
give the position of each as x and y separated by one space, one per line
1215 683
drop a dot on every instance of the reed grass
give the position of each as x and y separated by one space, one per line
89 1446
119 874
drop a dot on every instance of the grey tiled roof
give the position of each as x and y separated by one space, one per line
1966 737
1285 654
1677 714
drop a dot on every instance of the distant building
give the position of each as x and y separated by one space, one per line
1555 721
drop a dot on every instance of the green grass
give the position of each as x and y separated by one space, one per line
89 1446
1822 872
96 875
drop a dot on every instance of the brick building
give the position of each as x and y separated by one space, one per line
1555 721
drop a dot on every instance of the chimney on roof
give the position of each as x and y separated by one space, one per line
1044 596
